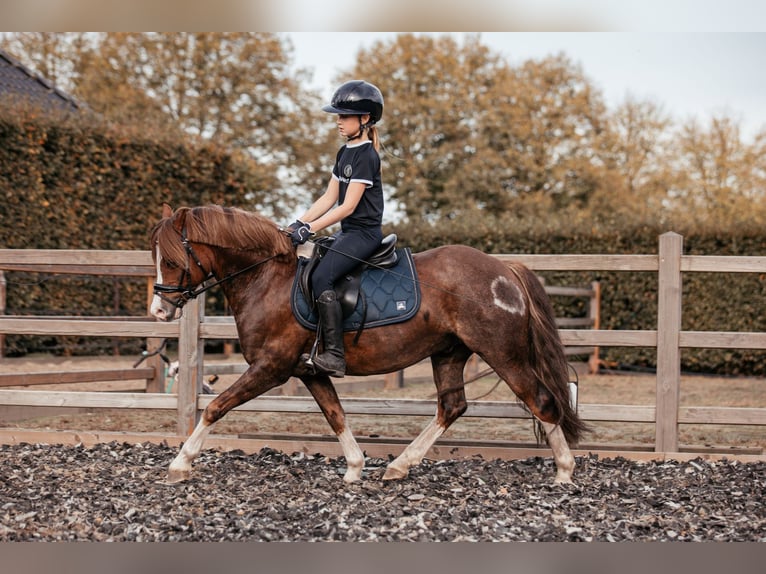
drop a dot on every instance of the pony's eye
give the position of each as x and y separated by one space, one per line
169 264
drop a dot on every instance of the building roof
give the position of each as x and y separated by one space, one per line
19 82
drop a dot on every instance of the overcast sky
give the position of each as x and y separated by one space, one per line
691 74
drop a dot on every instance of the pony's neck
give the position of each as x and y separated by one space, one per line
266 273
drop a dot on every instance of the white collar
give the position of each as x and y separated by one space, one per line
349 146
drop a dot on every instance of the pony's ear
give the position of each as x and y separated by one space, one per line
167 211
179 218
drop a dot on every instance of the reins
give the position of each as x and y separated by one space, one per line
233 275
188 293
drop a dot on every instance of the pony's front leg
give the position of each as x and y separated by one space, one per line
323 391
565 462
253 382
180 468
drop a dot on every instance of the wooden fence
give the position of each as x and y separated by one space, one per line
194 328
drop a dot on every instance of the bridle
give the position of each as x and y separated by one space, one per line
188 292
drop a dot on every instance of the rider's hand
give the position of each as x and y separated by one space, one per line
300 234
293 226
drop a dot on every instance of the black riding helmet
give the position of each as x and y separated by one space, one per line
357 97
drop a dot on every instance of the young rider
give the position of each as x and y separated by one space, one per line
353 198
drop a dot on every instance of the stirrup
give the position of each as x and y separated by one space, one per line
308 358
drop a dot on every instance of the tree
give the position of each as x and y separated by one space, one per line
637 151
429 85
234 89
53 55
546 125
468 132
719 177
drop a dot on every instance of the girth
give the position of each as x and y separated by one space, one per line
348 288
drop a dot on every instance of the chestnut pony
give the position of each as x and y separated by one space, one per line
470 303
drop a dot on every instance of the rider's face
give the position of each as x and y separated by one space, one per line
348 125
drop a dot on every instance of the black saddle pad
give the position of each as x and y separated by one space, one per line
391 295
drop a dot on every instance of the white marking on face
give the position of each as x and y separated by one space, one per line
159 265
156 301
508 296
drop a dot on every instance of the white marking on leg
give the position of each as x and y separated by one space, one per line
508 296
565 462
354 456
180 468
415 451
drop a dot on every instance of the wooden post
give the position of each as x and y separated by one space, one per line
668 338
228 345
190 359
393 380
594 314
2 312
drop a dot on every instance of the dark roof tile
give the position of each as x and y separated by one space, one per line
20 83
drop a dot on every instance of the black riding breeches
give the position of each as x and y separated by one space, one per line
348 250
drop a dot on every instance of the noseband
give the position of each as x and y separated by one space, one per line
188 292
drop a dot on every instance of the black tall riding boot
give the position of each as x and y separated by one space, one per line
331 361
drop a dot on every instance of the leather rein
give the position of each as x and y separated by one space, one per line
188 292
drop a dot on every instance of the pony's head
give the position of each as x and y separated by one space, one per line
187 244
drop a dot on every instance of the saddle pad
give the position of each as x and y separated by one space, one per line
392 295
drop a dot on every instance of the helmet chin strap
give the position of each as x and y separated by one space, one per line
358 134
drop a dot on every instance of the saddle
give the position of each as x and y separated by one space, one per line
348 288
382 290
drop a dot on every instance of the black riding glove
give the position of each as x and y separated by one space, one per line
293 226
300 234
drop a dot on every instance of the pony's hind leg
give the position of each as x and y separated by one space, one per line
540 403
565 462
323 391
451 403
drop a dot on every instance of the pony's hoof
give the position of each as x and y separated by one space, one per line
175 476
393 473
352 476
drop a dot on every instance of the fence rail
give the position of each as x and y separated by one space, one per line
194 328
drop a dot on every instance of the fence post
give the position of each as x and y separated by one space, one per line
668 349
2 312
594 314
393 380
190 357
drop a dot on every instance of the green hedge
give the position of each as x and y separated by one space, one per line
76 183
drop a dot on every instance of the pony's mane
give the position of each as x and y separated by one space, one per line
226 227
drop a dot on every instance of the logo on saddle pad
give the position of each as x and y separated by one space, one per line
385 296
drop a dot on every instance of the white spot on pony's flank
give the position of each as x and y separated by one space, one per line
508 296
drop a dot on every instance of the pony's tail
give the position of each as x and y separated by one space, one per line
546 352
